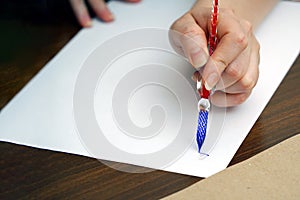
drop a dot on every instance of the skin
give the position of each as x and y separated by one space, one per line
233 67
98 6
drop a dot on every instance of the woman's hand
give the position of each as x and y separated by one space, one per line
233 67
99 7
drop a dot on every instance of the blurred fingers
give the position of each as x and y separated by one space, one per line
81 12
101 10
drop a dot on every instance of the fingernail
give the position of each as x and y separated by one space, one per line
111 17
106 15
199 58
211 81
88 23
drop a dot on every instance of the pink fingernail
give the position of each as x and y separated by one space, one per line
89 23
211 81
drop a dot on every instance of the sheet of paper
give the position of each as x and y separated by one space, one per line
42 114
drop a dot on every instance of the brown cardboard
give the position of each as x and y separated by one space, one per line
271 174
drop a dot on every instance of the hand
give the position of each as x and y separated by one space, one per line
99 7
233 67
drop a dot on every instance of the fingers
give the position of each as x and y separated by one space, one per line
240 91
81 12
233 67
189 40
235 70
250 78
132 1
101 10
233 41
222 99
237 93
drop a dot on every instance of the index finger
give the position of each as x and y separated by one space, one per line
189 40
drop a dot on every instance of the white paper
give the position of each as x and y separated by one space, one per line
41 115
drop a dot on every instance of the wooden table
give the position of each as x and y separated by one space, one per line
29 173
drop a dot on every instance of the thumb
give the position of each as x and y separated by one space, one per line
189 40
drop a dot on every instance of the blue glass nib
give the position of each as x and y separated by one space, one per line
202 127
203 106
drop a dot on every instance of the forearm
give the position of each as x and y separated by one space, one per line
252 10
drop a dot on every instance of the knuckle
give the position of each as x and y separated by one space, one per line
183 25
179 23
241 40
176 24
228 11
234 71
186 29
189 30
248 83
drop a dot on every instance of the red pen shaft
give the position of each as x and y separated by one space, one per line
212 42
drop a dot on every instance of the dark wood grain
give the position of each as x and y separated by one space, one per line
29 173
